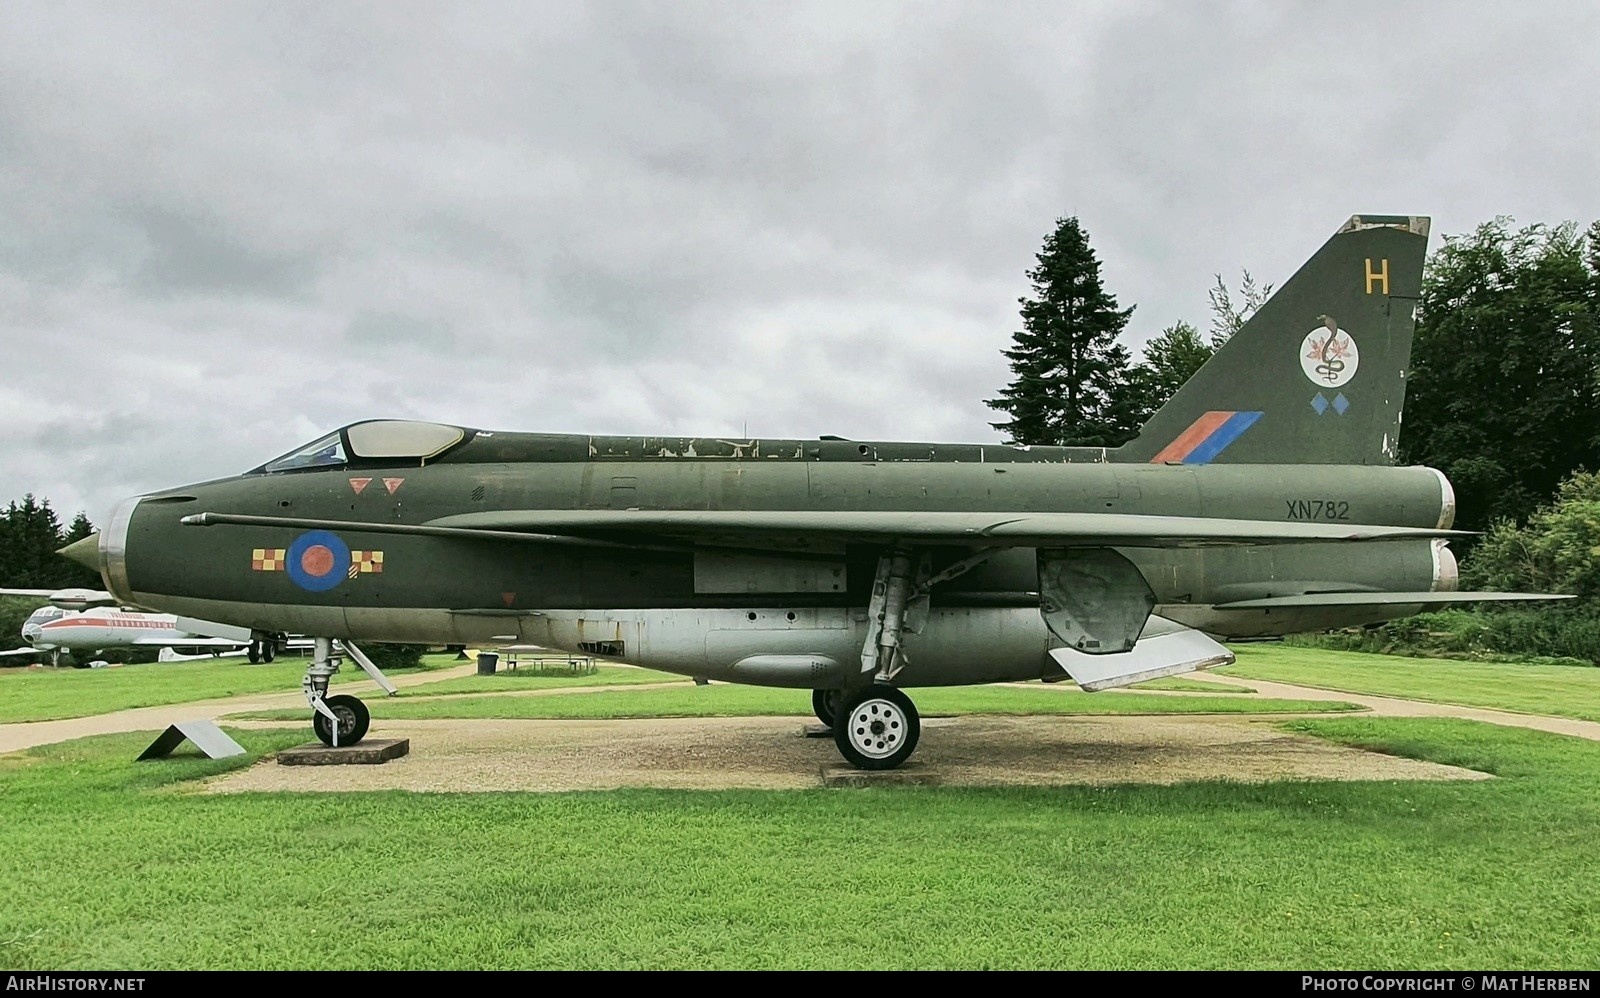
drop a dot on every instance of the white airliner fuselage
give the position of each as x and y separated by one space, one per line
54 630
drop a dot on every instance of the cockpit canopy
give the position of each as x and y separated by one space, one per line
377 441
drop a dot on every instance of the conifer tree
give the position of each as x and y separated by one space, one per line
1071 381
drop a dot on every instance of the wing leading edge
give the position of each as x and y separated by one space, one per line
1312 600
767 529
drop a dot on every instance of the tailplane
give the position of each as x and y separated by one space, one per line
1318 374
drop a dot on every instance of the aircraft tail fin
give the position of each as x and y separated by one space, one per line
1318 374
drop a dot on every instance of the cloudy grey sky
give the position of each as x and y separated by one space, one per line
228 227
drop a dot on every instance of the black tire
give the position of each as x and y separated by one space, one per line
825 704
269 650
877 727
353 721
254 652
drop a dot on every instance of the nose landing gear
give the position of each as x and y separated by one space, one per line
349 724
338 720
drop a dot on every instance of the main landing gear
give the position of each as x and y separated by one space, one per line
338 720
262 650
875 725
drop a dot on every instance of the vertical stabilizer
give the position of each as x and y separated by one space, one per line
1318 374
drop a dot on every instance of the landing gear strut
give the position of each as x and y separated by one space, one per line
338 720
875 726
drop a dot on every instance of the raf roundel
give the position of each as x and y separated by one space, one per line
318 560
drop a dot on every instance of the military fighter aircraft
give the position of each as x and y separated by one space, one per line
1261 500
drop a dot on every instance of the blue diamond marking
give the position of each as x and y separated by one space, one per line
1320 403
1340 403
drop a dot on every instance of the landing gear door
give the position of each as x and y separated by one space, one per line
1093 599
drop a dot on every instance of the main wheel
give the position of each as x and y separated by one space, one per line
877 727
254 652
353 720
269 650
825 704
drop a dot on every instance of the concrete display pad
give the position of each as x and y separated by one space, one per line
367 752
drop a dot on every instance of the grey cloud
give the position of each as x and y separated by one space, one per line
191 252
230 228
388 330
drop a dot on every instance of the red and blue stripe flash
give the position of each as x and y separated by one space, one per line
1207 437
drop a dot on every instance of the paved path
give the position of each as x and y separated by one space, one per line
1395 707
30 733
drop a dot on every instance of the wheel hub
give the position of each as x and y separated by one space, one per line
876 728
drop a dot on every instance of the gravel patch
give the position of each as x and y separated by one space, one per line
772 753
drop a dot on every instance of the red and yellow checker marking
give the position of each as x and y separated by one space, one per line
268 559
365 562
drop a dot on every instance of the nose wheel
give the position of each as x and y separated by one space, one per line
350 717
340 720
876 727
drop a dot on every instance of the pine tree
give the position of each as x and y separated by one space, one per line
37 535
79 528
1071 380
30 536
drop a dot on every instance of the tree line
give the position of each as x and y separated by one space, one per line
30 535
1503 395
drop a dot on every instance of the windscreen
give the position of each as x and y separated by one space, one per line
327 452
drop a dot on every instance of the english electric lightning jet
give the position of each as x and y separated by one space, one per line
1261 500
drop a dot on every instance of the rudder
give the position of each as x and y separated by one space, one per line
1317 375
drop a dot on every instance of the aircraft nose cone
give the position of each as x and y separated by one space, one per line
85 552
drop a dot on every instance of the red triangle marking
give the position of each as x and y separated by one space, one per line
392 484
509 598
360 483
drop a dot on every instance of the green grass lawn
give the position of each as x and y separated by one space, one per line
1558 690
1191 686
47 694
726 700
111 863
